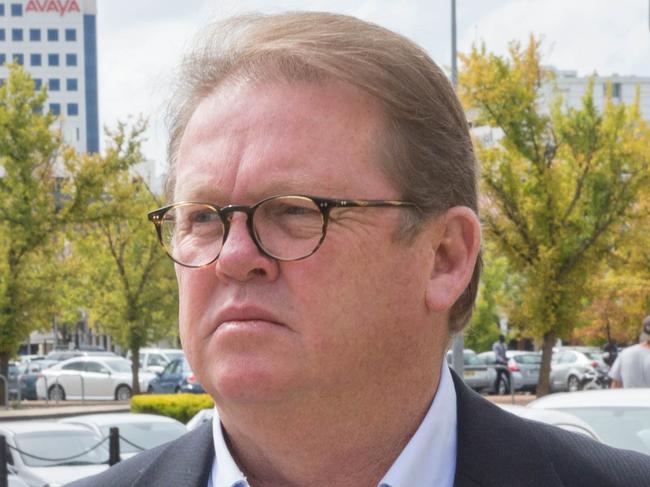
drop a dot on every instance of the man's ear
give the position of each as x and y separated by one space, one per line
456 247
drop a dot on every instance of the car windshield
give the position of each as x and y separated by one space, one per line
61 446
621 427
143 436
119 365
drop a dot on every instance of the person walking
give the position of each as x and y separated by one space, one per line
632 366
499 349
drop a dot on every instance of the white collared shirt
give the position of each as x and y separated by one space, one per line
428 459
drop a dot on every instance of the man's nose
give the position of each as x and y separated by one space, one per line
240 258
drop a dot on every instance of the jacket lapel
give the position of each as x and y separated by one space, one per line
495 448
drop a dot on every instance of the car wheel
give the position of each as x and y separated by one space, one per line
573 384
56 393
123 393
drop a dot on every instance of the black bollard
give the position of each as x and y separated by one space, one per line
113 446
4 480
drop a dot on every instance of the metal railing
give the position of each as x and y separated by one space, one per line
113 438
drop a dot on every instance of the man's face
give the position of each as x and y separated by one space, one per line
350 317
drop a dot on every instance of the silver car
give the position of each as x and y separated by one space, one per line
566 421
30 443
89 377
571 367
477 375
523 368
620 417
138 432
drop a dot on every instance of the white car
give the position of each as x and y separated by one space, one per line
200 418
31 442
563 420
89 377
155 359
141 431
620 417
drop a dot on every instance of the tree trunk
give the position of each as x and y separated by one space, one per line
4 371
543 386
135 364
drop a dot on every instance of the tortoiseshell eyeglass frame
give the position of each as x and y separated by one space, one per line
226 213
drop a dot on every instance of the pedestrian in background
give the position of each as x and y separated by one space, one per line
632 367
499 349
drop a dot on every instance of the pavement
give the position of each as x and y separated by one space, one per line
52 410
42 410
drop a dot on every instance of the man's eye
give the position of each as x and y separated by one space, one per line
203 217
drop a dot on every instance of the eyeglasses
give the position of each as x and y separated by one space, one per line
285 228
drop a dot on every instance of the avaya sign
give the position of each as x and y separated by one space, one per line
60 6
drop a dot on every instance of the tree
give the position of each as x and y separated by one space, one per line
137 299
558 184
36 171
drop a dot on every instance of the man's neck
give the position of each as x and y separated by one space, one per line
348 442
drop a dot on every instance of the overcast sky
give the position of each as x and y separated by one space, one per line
140 42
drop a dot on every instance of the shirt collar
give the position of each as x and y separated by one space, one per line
429 458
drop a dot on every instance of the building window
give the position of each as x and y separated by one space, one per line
16 9
16 34
53 59
70 59
34 34
38 83
3 59
2 34
70 35
18 58
54 84
52 34
55 108
617 90
35 59
73 109
71 84
2 9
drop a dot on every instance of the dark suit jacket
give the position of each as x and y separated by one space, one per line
495 449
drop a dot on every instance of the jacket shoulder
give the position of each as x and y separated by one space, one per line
185 461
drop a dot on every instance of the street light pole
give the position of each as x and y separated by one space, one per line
459 342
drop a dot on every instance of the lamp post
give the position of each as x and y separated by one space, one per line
459 342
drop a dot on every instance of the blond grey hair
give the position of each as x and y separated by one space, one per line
431 159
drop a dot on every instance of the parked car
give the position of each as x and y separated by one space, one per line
156 359
560 419
141 431
477 375
66 354
12 380
572 367
96 377
620 417
523 367
202 417
59 442
176 377
29 373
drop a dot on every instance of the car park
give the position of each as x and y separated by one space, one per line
156 359
89 377
175 378
620 417
476 374
46 453
571 367
138 432
200 418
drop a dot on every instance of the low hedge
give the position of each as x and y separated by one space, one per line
178 406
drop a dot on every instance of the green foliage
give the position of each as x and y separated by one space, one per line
136 302
557 186
178 406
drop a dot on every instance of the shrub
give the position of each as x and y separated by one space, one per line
178 406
